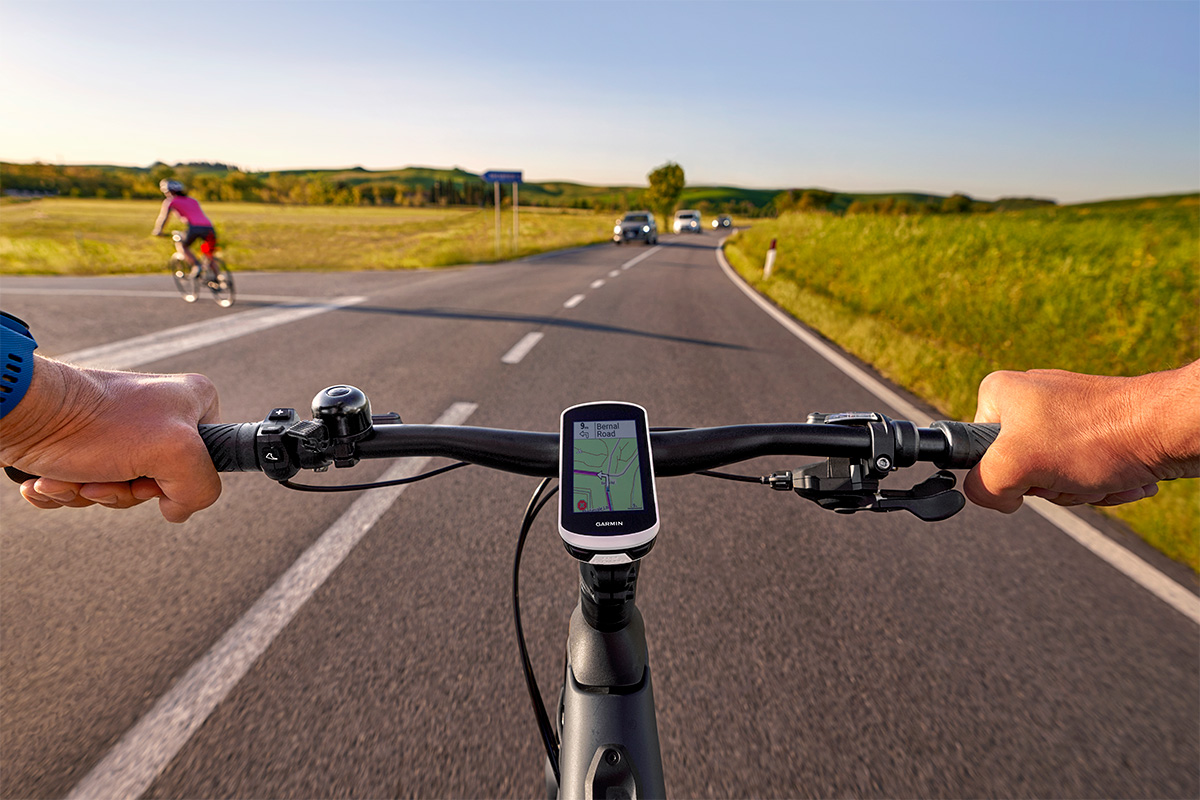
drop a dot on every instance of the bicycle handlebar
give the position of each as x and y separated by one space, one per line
860 450
276 446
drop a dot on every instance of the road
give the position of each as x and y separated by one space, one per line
796 652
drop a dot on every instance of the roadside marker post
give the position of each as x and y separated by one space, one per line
496 178
497 219
770 263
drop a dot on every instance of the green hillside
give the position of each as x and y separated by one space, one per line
1143 203
434 186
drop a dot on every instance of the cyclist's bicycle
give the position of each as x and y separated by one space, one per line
601 739
210 271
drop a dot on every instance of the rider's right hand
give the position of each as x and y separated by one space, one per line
113 438
1085 439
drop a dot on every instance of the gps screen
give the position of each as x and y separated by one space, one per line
607 467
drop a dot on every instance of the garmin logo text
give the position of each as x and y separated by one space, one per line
609 524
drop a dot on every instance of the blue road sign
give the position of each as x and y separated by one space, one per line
502 177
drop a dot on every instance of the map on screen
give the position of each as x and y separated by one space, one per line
607 467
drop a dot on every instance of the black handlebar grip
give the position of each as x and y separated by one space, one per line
966 442
19 476
231 446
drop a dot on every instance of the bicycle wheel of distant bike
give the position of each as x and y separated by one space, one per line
185 281
221 283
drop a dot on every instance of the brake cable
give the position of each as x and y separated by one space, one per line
549 739
357 487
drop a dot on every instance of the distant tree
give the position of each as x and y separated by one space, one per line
317 192
160 171
666 185
957 203
1017 203
815 200
385 193
781 203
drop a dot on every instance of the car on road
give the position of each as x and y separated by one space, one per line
722 221
636 226
687 220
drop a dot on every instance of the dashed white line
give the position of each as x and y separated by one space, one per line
522 348
642 257
574 301
140 756
596 284
614 273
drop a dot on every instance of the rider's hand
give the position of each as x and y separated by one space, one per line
112 438
1076 439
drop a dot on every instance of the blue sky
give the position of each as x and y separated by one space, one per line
1069 100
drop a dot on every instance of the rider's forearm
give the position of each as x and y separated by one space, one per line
161 221
54 388
1167 407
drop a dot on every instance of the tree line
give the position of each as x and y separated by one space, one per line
221 182
216 181
902 205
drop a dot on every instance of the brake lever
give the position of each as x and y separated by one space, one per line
847 486
932 500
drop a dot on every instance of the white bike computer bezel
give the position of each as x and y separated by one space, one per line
590 532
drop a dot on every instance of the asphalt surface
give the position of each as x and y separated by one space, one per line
796 653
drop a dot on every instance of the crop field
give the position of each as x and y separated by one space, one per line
937 302
87 236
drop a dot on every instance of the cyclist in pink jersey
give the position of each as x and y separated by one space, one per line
199 225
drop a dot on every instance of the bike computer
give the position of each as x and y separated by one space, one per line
607 504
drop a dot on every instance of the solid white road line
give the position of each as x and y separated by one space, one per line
173 341
1126 562
574 301
631 262
1150 579
522 348
596 284
138 758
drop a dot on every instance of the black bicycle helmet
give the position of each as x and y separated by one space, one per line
171 186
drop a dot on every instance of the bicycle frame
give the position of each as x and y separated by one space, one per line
208 267
607 725
607 731
204 259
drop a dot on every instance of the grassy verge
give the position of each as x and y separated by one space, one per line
938 302
81 237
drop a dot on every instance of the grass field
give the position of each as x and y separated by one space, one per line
937 302
84 236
